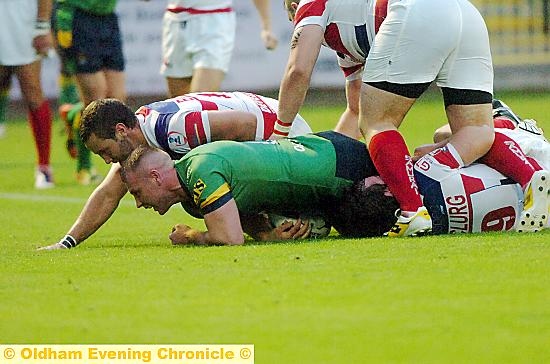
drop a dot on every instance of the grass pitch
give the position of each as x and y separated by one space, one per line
448 299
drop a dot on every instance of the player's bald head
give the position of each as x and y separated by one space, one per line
143 159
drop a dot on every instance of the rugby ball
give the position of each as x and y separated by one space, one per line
319 227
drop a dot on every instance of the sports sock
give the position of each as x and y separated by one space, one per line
41 125
84 161
504 123
507 157
534 163
69 91
4 97
393 162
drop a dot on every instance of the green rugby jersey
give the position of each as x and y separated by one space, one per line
288 176
98 7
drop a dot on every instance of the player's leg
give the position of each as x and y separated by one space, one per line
40 118
213 40
178 86
400 66
5 81
176 66
92 86
348 122
381 113
205 79
466 80
62 23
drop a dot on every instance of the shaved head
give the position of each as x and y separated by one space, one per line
145 158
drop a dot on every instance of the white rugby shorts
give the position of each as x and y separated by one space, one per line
198 41
17 32
425 40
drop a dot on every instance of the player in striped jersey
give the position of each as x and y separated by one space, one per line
112 130
198 37
472 198
401 47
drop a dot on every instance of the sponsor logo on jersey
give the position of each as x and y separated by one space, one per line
458 214
176 140
198 188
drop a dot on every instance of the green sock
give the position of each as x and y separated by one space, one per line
84 160
69 91
4 98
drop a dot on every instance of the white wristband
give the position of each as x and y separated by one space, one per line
42 27
281 128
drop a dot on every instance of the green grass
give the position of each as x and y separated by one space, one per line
450 299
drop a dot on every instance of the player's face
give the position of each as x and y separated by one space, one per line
110 150
148 193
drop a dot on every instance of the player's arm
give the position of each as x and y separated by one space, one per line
43 40
264 10
223 228
232 125
304 50
349 121
98 209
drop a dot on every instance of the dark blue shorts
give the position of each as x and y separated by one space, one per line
96 43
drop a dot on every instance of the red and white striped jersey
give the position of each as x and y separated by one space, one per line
349 27
180 124
466 199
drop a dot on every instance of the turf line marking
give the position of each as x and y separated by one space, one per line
57 199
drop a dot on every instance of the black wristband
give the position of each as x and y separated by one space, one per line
68 242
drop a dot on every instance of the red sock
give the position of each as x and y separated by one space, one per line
503 122
41 124
507 157
393 162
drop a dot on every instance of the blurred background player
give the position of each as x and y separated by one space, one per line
198 37
89 44
112 130
24 38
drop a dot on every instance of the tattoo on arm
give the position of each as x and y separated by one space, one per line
295 38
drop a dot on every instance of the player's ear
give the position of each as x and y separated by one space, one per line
156 176
120 130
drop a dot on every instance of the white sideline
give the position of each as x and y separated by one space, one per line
57 199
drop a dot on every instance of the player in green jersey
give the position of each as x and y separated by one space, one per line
89 43
231 184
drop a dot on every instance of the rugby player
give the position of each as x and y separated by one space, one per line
112 130
391 51
229 183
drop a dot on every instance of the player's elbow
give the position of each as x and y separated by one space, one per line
298 73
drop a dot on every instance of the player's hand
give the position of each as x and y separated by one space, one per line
269 39
292 231
42 44
181 235
56 246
